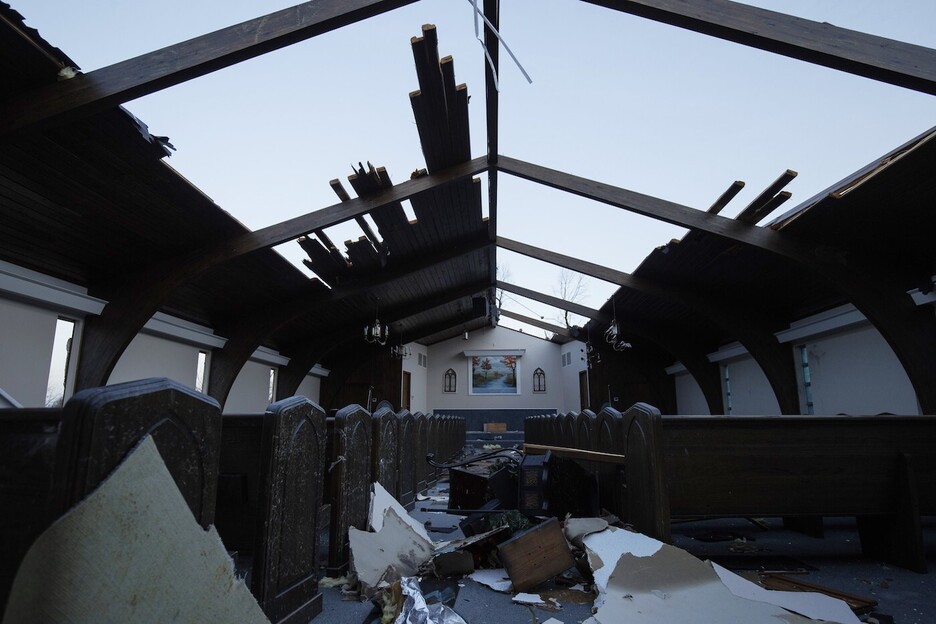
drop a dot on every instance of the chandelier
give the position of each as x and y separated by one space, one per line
377 332
612 334
401 352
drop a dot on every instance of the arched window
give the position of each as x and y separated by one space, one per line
539 380
449 382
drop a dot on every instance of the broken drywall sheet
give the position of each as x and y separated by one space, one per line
663 584
496 579
606 547
381 500
576 529
811 604
130 552
394 551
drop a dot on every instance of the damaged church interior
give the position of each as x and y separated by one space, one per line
210 416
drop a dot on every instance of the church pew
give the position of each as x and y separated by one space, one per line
384 449
406 452
271 488
52 458
880 469
349 482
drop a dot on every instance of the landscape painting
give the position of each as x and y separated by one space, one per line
494 374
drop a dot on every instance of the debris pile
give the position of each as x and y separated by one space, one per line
554 564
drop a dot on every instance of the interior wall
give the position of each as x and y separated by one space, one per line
539 354
153 356
689 397
250 393
751 394
856 372
310 388
26 336
573 353
417 366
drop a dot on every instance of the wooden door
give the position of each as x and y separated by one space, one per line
407 385
583 390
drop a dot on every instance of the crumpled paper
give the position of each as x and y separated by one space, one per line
416 611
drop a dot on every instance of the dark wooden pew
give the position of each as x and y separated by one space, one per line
271 488
54 458
384 449
880 469
406 453
349 482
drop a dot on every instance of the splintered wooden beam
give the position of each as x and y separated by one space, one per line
562 331
775 202
726 197
756 210
110 86
895 62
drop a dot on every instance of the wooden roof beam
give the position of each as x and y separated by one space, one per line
135 301
87 94
758 208
562 331
726 197
555 302
745 325
867 286
895 62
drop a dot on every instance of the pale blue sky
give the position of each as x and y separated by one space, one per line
615 98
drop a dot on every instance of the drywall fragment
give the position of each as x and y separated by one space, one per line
672 586
606 547
576 529
381 500
130 552
496 579
529 599
811 604
396 550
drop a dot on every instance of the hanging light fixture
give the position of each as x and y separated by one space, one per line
378 332
400 351
612 334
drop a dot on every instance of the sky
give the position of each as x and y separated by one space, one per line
615 98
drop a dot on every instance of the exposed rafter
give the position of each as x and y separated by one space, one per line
562 331
902 64
562 304
121 82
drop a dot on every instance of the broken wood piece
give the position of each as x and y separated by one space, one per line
774 581
573 453
536 555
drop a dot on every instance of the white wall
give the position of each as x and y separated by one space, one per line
689 396
751 393
152 356
418 377
570 376
26 335
539 353
310 388
856 372
250 393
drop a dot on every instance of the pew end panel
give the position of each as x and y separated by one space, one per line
285 568
646 499
101 425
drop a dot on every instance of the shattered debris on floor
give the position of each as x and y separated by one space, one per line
436 564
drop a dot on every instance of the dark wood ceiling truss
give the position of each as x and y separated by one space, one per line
746 325
877 295
895 62
110 86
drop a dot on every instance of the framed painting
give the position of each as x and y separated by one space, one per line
496 373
